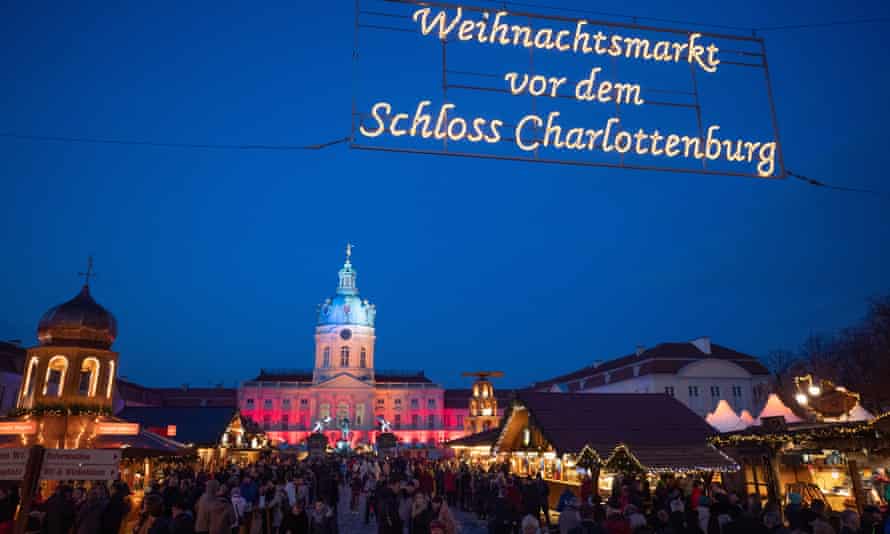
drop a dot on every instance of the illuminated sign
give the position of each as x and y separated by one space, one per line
552 89
18 427
171 431
117 429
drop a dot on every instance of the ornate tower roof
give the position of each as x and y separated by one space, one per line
346 307
79 322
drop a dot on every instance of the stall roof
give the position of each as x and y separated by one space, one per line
486 438
198 425
657 429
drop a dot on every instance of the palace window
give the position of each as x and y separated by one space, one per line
715 391
415 420
415 404
460 421
89 377
304 403
326 357
431 404
669 390
248 403
397 423
342 411
398 404
737 391
324 410
344 356
359 414
285 420
693 391
55 376
381 402
285 403
267 422
267 404
363 358
431 421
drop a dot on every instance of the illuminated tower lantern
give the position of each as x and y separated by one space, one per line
483 414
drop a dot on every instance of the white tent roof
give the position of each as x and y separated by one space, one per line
775 407
858 413
746 418
724 418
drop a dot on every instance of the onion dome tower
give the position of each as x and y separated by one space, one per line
344 331
73 366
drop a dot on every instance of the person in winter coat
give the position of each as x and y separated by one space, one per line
296 521
421 515
321 519
203 507
59 510
182 521
89 519
222 515
441 512
117 509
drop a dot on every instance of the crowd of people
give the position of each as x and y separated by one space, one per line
417 496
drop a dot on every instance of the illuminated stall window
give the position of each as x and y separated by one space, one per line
54 384
89 377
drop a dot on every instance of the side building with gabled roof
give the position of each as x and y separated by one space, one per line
698 373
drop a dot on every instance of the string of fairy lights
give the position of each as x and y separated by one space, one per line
505 4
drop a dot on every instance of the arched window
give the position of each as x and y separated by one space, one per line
30 379
110 379
89 377
344 356
326 357
55 376
363 358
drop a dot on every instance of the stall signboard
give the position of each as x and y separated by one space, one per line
80 464
18 427
490 82
117 429
13 463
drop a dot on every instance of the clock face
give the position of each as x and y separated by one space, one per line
346 333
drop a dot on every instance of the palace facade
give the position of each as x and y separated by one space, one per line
345 384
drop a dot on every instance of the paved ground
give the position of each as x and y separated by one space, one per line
353 522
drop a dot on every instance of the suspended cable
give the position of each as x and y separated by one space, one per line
818 183
213 146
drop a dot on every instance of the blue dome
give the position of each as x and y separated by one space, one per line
347 307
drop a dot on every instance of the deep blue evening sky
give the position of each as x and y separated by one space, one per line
213 261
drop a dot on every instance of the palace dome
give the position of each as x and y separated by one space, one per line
80 322
347 307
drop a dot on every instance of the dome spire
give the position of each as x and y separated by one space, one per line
89 273
347 275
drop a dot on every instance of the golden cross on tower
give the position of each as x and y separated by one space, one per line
89 272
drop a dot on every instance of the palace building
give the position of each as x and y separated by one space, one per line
345 383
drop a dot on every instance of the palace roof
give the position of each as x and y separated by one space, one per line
664 358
